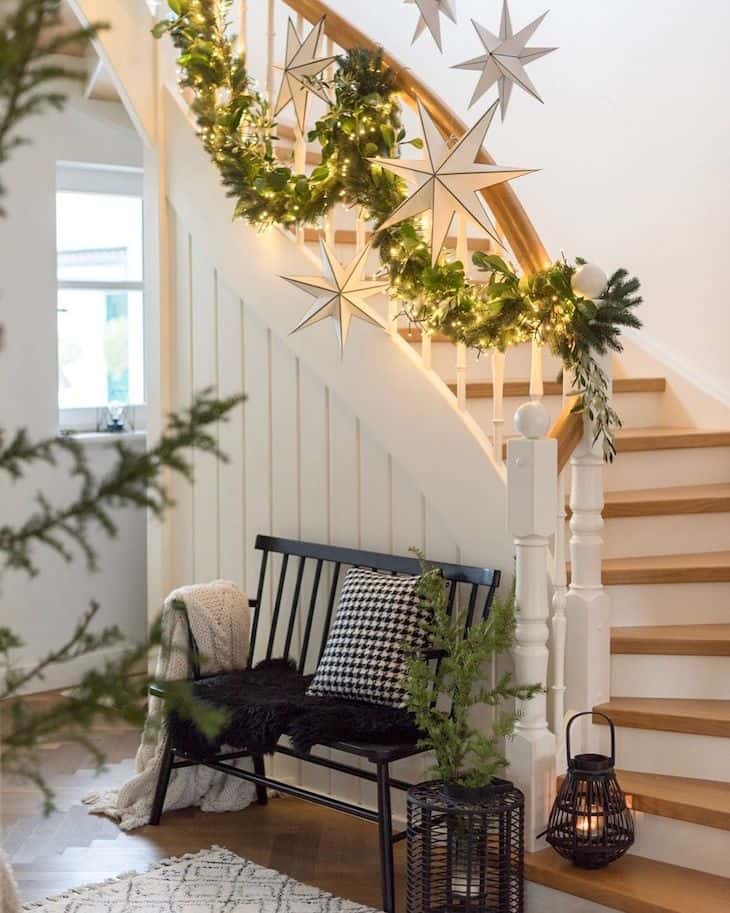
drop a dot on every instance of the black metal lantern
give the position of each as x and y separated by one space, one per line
590 822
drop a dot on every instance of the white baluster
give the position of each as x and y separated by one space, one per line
588 603
426 353
558 622
461 376
241 21
498 365
394 309
270 38
360 232
536 388
531 496
462 243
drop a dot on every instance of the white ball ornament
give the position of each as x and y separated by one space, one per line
532 420
589 281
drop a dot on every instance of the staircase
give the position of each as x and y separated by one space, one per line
667 508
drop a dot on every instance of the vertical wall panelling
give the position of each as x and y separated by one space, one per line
205 375
314 518
183 515
284 405
231 502
344 519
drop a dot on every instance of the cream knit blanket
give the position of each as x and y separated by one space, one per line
220 621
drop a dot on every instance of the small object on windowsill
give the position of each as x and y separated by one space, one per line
115 418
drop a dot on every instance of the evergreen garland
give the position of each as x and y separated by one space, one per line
237 128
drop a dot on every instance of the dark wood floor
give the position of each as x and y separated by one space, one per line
71 847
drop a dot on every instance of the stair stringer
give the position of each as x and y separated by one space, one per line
405 407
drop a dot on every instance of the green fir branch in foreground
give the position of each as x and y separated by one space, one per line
463 754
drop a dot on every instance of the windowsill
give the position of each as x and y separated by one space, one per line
102 438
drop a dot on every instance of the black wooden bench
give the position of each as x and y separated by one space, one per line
471 588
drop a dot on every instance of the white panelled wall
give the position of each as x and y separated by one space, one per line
301 463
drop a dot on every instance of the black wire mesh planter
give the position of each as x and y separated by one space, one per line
466 849
590 822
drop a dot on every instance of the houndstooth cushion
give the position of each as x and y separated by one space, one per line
378 615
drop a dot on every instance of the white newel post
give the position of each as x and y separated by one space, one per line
531 505
587 609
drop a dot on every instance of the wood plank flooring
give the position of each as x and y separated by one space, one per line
71 847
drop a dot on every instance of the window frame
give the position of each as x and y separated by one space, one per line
109 180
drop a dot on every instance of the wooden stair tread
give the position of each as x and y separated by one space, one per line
485 390
699 567
630 440
633 884
705 802
675 640
633 440
681 499
347 236
695 717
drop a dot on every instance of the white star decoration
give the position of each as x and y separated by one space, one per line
340 294
505 59
429 17
448 180
302 65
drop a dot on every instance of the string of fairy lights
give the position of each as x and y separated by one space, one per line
361 136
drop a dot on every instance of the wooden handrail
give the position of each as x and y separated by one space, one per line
508 211
567 430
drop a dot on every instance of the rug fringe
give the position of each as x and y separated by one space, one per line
75 893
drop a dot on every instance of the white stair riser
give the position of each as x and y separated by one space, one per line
665 535
663 468
546 900
636 409
676 754
682 843
693 677
670 604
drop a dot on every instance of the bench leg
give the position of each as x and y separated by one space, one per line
385 833
258 768
163 779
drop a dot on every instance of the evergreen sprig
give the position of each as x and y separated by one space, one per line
464 754
238 131
137 479
31 38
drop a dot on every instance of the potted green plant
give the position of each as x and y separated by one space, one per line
466 827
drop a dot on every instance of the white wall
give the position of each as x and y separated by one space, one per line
44 610
633 141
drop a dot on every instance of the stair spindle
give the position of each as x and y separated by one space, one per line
558 621
270 39
461 376
426 352
241 22
498 365
536 387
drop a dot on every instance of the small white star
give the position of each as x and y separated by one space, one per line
340 294
302 65
429 17
448 180
505 59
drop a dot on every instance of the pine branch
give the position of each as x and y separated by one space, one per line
136 479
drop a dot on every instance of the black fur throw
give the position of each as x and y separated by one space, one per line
270 700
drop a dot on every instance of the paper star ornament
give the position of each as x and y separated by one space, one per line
340 293
302 65
448 180
429 12
505 59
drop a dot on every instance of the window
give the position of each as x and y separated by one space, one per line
100 292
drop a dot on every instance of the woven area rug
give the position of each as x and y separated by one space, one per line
212 881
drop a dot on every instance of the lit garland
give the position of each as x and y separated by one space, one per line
236 126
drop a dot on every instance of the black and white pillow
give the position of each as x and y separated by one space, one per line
379 616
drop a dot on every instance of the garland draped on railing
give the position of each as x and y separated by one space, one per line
236 126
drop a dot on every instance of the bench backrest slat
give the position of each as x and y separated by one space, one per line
329 561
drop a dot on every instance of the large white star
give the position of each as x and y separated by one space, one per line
429 17
448 180
302 65
340 294
505 59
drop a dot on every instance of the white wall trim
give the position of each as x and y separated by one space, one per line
68 675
